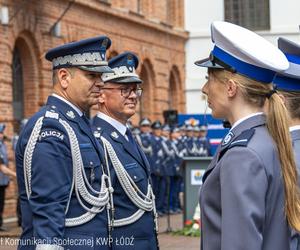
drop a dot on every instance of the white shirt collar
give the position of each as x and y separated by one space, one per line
244 118
80 113
297 127
116 124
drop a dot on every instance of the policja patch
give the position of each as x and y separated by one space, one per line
53 133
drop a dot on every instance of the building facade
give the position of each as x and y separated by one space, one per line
154 30
269 18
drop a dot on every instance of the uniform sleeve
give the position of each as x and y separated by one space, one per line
243 191
50 182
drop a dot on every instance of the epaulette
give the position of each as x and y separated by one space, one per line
51 113
241 141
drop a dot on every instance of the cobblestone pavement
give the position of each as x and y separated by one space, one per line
167 241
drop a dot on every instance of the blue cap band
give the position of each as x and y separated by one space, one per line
293 58
246 69
286 83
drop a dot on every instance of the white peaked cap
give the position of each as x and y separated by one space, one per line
244 52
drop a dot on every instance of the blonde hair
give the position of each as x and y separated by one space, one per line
292 103
255 93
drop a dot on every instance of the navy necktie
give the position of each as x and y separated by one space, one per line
131 140
87 121
129 136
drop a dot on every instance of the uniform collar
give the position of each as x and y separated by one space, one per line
58 105
79 112
116 124
252 121
245 118
293 128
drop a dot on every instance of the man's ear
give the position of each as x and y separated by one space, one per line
231 88
102 97
64 77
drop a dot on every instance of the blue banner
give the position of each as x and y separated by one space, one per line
215 129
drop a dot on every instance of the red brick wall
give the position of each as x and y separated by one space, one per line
155 34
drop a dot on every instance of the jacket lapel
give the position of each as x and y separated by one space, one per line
117 137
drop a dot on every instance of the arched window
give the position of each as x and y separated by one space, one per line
18 90
251 14
145 104
175 89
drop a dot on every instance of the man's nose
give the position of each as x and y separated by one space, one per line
99 82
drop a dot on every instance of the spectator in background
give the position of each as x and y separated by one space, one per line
288 84
4 179
204 141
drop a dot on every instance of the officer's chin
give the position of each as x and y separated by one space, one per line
130 111
217 115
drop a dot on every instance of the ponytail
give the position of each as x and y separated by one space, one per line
277 124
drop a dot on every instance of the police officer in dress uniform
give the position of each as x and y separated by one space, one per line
133 204
178 176
288 83
159 170
182 139
169 166
249 192
145 140
64 188
190 143
205 148
6 171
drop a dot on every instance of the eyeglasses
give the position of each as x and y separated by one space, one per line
126 92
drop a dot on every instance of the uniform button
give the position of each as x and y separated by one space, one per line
91 163
134 177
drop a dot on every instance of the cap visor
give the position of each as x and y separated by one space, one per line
97 69
207 63
293 71
131 79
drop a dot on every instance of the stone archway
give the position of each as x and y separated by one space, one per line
25 79
175 90
145 106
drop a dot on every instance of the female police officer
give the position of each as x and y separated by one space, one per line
288 84
249 193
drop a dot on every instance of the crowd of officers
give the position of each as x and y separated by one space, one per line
165 147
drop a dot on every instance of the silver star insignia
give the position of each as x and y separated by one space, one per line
71 114
114 134
97 134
